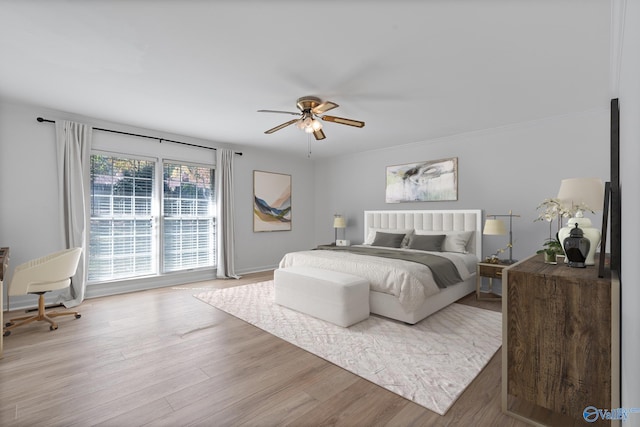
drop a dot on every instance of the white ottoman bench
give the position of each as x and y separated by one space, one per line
339 298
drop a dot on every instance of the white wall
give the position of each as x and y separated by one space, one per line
29 220
29 194
512 168
260 251
629 182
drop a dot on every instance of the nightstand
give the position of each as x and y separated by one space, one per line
492 271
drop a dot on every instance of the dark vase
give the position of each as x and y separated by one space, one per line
576 248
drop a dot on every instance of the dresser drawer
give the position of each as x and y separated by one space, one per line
491 271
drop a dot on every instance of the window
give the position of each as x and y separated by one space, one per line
121 231
188 220
124 241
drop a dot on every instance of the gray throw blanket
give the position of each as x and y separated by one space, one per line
444 270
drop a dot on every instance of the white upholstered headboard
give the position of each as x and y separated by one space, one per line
438 220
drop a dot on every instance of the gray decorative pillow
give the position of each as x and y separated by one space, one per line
389 240
371 234
427 242
456 241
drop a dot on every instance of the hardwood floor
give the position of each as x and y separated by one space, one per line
163 358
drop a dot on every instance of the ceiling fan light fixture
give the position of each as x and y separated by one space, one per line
309 124
307 121
311 110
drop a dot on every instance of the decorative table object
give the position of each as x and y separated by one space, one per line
576 247
582 194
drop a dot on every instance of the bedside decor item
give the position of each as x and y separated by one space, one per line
435 180
552 249
576 247
271 201
580 194
495 227
339 222
552 209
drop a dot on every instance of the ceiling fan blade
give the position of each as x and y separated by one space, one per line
284 125
324 107
319 134
280 112
343 121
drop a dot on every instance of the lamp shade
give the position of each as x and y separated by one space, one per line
582 191
339 222
494 227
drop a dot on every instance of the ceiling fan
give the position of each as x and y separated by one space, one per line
311 108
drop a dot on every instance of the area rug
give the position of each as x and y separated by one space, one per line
429 363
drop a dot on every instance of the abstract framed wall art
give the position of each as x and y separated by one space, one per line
271 201
433 180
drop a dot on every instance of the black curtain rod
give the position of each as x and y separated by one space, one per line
40 119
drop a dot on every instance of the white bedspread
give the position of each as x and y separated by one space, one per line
410 282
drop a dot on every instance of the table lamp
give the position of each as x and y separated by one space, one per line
338 222
496 227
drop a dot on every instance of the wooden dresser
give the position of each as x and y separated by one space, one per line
561 343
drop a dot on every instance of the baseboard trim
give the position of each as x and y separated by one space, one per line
27 302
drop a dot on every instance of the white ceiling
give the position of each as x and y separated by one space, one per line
413 70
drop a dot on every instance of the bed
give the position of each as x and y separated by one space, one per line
407 290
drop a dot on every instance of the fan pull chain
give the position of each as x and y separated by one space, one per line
308 146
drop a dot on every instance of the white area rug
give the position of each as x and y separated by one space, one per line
430 363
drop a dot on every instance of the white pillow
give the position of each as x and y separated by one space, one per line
371 234
455 241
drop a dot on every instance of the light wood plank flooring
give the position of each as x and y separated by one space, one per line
163 358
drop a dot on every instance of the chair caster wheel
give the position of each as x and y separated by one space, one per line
8 324
77 316
53 328
6 333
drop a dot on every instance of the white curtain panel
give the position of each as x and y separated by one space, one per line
73 146
225 252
